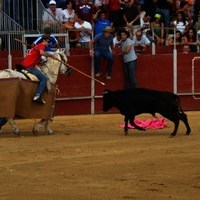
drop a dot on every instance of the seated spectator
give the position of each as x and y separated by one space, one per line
179 39
196 9
117 39
85 31
114 13
187 8
52 15
68 12
140 41
86 9
191 39
99 3
186 49
62 4
100 21
145 24
181 22
157 27
73 34
150 37
131 16
163 7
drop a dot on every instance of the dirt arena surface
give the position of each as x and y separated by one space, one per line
89 158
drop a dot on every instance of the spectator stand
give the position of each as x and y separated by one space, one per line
57 29
21 19
9 30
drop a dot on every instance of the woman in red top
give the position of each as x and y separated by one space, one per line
31 60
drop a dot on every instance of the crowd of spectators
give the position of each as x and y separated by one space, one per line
156 19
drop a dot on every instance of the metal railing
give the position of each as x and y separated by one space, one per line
9 30
28 14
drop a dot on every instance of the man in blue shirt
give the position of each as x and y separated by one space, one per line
100 22
101 46
53 41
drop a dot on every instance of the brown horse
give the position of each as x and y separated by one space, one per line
17 92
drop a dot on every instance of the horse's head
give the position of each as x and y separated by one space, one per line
63 60
63 69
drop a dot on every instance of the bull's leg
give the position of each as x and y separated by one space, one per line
176 124
174 117
184 119
126 126
135 125
14 126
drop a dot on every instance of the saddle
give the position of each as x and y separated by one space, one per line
20 68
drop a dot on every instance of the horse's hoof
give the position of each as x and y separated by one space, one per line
16 131
50 132
35 132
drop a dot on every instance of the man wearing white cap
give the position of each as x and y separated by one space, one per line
52 15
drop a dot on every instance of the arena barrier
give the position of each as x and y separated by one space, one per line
196 95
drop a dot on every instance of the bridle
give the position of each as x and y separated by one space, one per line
52 73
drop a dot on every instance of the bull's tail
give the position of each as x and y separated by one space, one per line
179 104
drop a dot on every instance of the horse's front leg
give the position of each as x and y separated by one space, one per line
48 130
13 126
42 123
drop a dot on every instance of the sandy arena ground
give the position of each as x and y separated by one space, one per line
89 158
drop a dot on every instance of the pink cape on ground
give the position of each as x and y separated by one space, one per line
155 123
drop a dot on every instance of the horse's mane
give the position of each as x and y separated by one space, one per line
51 67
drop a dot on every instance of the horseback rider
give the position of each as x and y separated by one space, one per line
31 60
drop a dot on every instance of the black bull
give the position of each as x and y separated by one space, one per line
136 101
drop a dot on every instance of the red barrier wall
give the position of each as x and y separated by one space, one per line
155 72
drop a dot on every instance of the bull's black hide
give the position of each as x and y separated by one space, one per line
132 102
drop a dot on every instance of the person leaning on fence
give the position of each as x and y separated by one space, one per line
186 49
31 60
102 44
140 41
